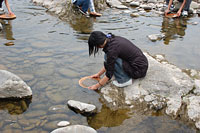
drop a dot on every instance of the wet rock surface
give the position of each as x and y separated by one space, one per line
12 86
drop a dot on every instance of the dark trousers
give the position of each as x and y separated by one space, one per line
1 1
187 4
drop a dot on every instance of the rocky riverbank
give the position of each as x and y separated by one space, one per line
62 8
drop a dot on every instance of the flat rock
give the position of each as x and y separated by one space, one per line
81 107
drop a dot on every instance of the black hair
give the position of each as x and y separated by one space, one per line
96 39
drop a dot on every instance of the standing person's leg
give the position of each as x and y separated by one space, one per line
84 4
167 2
1 9
92 9
91 6
187 5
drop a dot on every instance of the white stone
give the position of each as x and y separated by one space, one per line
135 3
63 123
75 129
89 108
155 37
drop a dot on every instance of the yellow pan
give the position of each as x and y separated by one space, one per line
84 78
171 15
7 16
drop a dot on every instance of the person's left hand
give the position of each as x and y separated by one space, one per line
11 13
178 14
166 12
93 87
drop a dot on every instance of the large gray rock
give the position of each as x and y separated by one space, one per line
75 129
164 87
12 86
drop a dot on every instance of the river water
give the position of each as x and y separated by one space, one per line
51 55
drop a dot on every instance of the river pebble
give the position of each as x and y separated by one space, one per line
63 123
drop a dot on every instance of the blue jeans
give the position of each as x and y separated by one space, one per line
84 4
120 75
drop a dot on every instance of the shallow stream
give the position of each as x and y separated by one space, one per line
51 55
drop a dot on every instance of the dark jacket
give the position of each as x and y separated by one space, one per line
135 62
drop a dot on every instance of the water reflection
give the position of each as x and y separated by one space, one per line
7 30
108 118
173 28
15 107
81 23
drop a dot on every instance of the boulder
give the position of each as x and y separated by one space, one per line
165 87
12 86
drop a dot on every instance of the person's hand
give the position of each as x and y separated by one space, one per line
166 12
95 76
93 87
11 13
178 14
